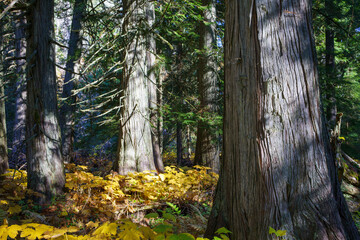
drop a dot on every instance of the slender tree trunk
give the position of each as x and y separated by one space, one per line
4 165
160 124
188 143
206 144
153 91
68 108
278 170
330 66
46 174
135 149
179 144
18 156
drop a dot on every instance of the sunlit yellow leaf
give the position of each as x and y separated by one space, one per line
91 224
54 234
13 230
3 232
162 177
130 234
107 228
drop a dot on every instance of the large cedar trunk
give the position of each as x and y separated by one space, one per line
153 91
18 156
278 170
207 151
135 150
68 108
3 140
43 146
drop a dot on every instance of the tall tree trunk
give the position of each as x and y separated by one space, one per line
160 124
135 150
330 66
4 165
18 156
179 159
206 144
68 108
278 170
43 140
188 143
153 91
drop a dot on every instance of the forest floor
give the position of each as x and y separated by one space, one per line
172 205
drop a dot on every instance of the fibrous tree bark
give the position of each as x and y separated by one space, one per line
278 170
68 107
3 140
206 152
153 90
18 156
46 174
135 149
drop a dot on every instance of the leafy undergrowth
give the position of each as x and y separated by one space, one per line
143 205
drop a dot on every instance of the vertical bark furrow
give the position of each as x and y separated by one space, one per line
135 149
18 156
153 91
45 165
283 164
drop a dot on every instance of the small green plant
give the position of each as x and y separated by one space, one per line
154 219
175 210
223 233
206 208
278 233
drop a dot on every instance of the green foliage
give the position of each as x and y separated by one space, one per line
173 208
222 231
345 77
356 218
151 215
278 233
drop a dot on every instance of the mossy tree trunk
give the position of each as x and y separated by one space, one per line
278 170
46 174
